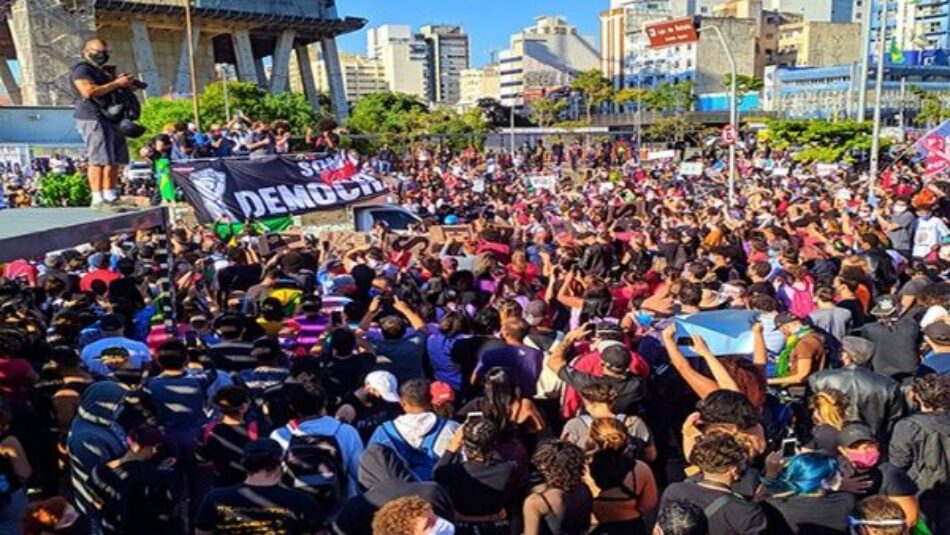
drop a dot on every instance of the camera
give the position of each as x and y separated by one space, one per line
139 84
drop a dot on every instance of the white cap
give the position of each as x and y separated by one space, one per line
384 384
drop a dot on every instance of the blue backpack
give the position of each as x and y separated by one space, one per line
420 461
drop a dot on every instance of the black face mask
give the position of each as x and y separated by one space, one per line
99 58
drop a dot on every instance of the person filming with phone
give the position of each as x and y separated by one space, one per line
104 136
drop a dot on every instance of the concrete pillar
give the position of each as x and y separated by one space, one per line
10 85
244 54
183 74
280 64
144 59
48 42
261 72
338 105
306 76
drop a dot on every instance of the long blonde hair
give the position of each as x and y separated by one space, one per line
829 407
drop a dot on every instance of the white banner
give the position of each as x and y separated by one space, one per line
548 182
826 169
691 168
661 155
780 171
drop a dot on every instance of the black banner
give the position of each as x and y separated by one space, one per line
272 186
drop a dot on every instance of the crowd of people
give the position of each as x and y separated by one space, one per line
534 378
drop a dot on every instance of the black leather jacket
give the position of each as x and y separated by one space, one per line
875 399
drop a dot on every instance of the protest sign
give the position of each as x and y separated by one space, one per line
780 171
273 243
932 147
410 243
826 169
691 168
274 186
448 233
660 155
344 240
726 332
478 185
548 182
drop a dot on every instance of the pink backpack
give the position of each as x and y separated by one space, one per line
801 300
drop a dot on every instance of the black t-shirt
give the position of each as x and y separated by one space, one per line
369 417
895 347
737 516
356 516
134 497
229 356
815 515
247 510
467 352
343 376
886 479
630 389
476 488
238 277
222 446
86 110
125 292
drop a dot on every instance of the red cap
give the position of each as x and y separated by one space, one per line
441 393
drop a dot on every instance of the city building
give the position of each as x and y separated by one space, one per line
818 44
832 92
916 33
361 75
148 37
542 57
477 84
448 56
404 56
840 11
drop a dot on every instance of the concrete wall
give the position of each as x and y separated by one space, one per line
711 62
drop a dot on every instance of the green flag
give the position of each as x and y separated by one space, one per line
226 231
163 176
895 53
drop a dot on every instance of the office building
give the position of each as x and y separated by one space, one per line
477 84
818 44
831 93
361 75
404 56
448 56
545 56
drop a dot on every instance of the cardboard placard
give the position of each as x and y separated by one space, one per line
691 168
448 233
345 240
505 232
413 243
273 243
548 182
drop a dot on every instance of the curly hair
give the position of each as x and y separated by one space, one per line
479 438
561 464
879 511
399 517
934 391
716 453
607 434
599 393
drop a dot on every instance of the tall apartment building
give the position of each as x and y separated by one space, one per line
448 56
404 56
818 44
361 75
475 84
919 29
544 56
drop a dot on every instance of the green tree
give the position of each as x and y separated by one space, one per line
744 84
546 110
671 97
156 114
931 110
819 141
596 89
630 95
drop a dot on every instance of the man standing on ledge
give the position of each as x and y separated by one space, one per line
105 145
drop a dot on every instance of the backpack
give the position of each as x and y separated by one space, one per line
932 467
314 464
420 461
802 302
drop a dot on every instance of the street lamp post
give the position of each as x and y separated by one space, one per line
732 112
191 64
878 98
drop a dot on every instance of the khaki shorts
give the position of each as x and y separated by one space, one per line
104 144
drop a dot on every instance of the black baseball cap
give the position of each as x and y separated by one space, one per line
938 332
784 318
616 358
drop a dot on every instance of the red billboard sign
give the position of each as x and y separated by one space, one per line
672 32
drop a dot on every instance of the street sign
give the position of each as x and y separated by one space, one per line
672 32
729 134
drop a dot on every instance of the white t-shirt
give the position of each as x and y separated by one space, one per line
929 232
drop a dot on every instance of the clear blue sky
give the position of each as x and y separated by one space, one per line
489 23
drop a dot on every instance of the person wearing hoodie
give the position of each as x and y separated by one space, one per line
419 437
94 438
385 478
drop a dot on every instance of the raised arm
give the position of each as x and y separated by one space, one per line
702 385
719 372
